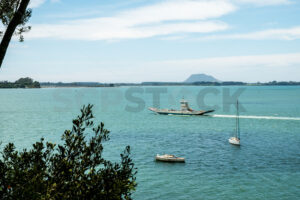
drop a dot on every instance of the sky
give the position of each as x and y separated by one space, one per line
134 41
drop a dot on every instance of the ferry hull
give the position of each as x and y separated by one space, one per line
178 112
169 158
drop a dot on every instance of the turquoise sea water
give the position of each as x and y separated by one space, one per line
266 166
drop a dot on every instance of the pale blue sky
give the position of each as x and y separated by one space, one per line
158 40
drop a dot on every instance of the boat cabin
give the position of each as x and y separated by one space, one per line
185 105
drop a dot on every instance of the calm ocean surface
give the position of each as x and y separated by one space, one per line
266 166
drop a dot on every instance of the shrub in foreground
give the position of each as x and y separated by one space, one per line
73 170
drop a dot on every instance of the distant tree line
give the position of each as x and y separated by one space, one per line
225 83
76 84
21 83
280 83
202 83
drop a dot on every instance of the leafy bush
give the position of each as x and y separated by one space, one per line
73 170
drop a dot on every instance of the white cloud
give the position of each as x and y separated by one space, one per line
278 60
167 18
91 31
173 37
36 3
159 19
252 68
179 10
264 2
281 34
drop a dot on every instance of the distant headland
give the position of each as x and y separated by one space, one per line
20 83
208 80
193 80
201 78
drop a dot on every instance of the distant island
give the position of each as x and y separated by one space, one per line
201 78
225 83
20 83
210 81
193 80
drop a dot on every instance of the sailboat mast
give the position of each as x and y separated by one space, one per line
237 120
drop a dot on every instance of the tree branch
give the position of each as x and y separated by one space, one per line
16 20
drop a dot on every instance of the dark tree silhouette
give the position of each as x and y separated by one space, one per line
74 169
13 15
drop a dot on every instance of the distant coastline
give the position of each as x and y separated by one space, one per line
29 83
226 83
75 84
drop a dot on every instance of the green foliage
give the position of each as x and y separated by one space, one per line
36 84
8 9
6 84
24 81
73 170
21 83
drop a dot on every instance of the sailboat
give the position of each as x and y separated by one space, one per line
236 139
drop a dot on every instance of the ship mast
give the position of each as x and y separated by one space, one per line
237 132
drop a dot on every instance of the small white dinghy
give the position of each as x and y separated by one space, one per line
236 139
168 158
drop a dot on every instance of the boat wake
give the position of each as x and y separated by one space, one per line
258 117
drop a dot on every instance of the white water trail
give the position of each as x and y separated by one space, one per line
258 117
